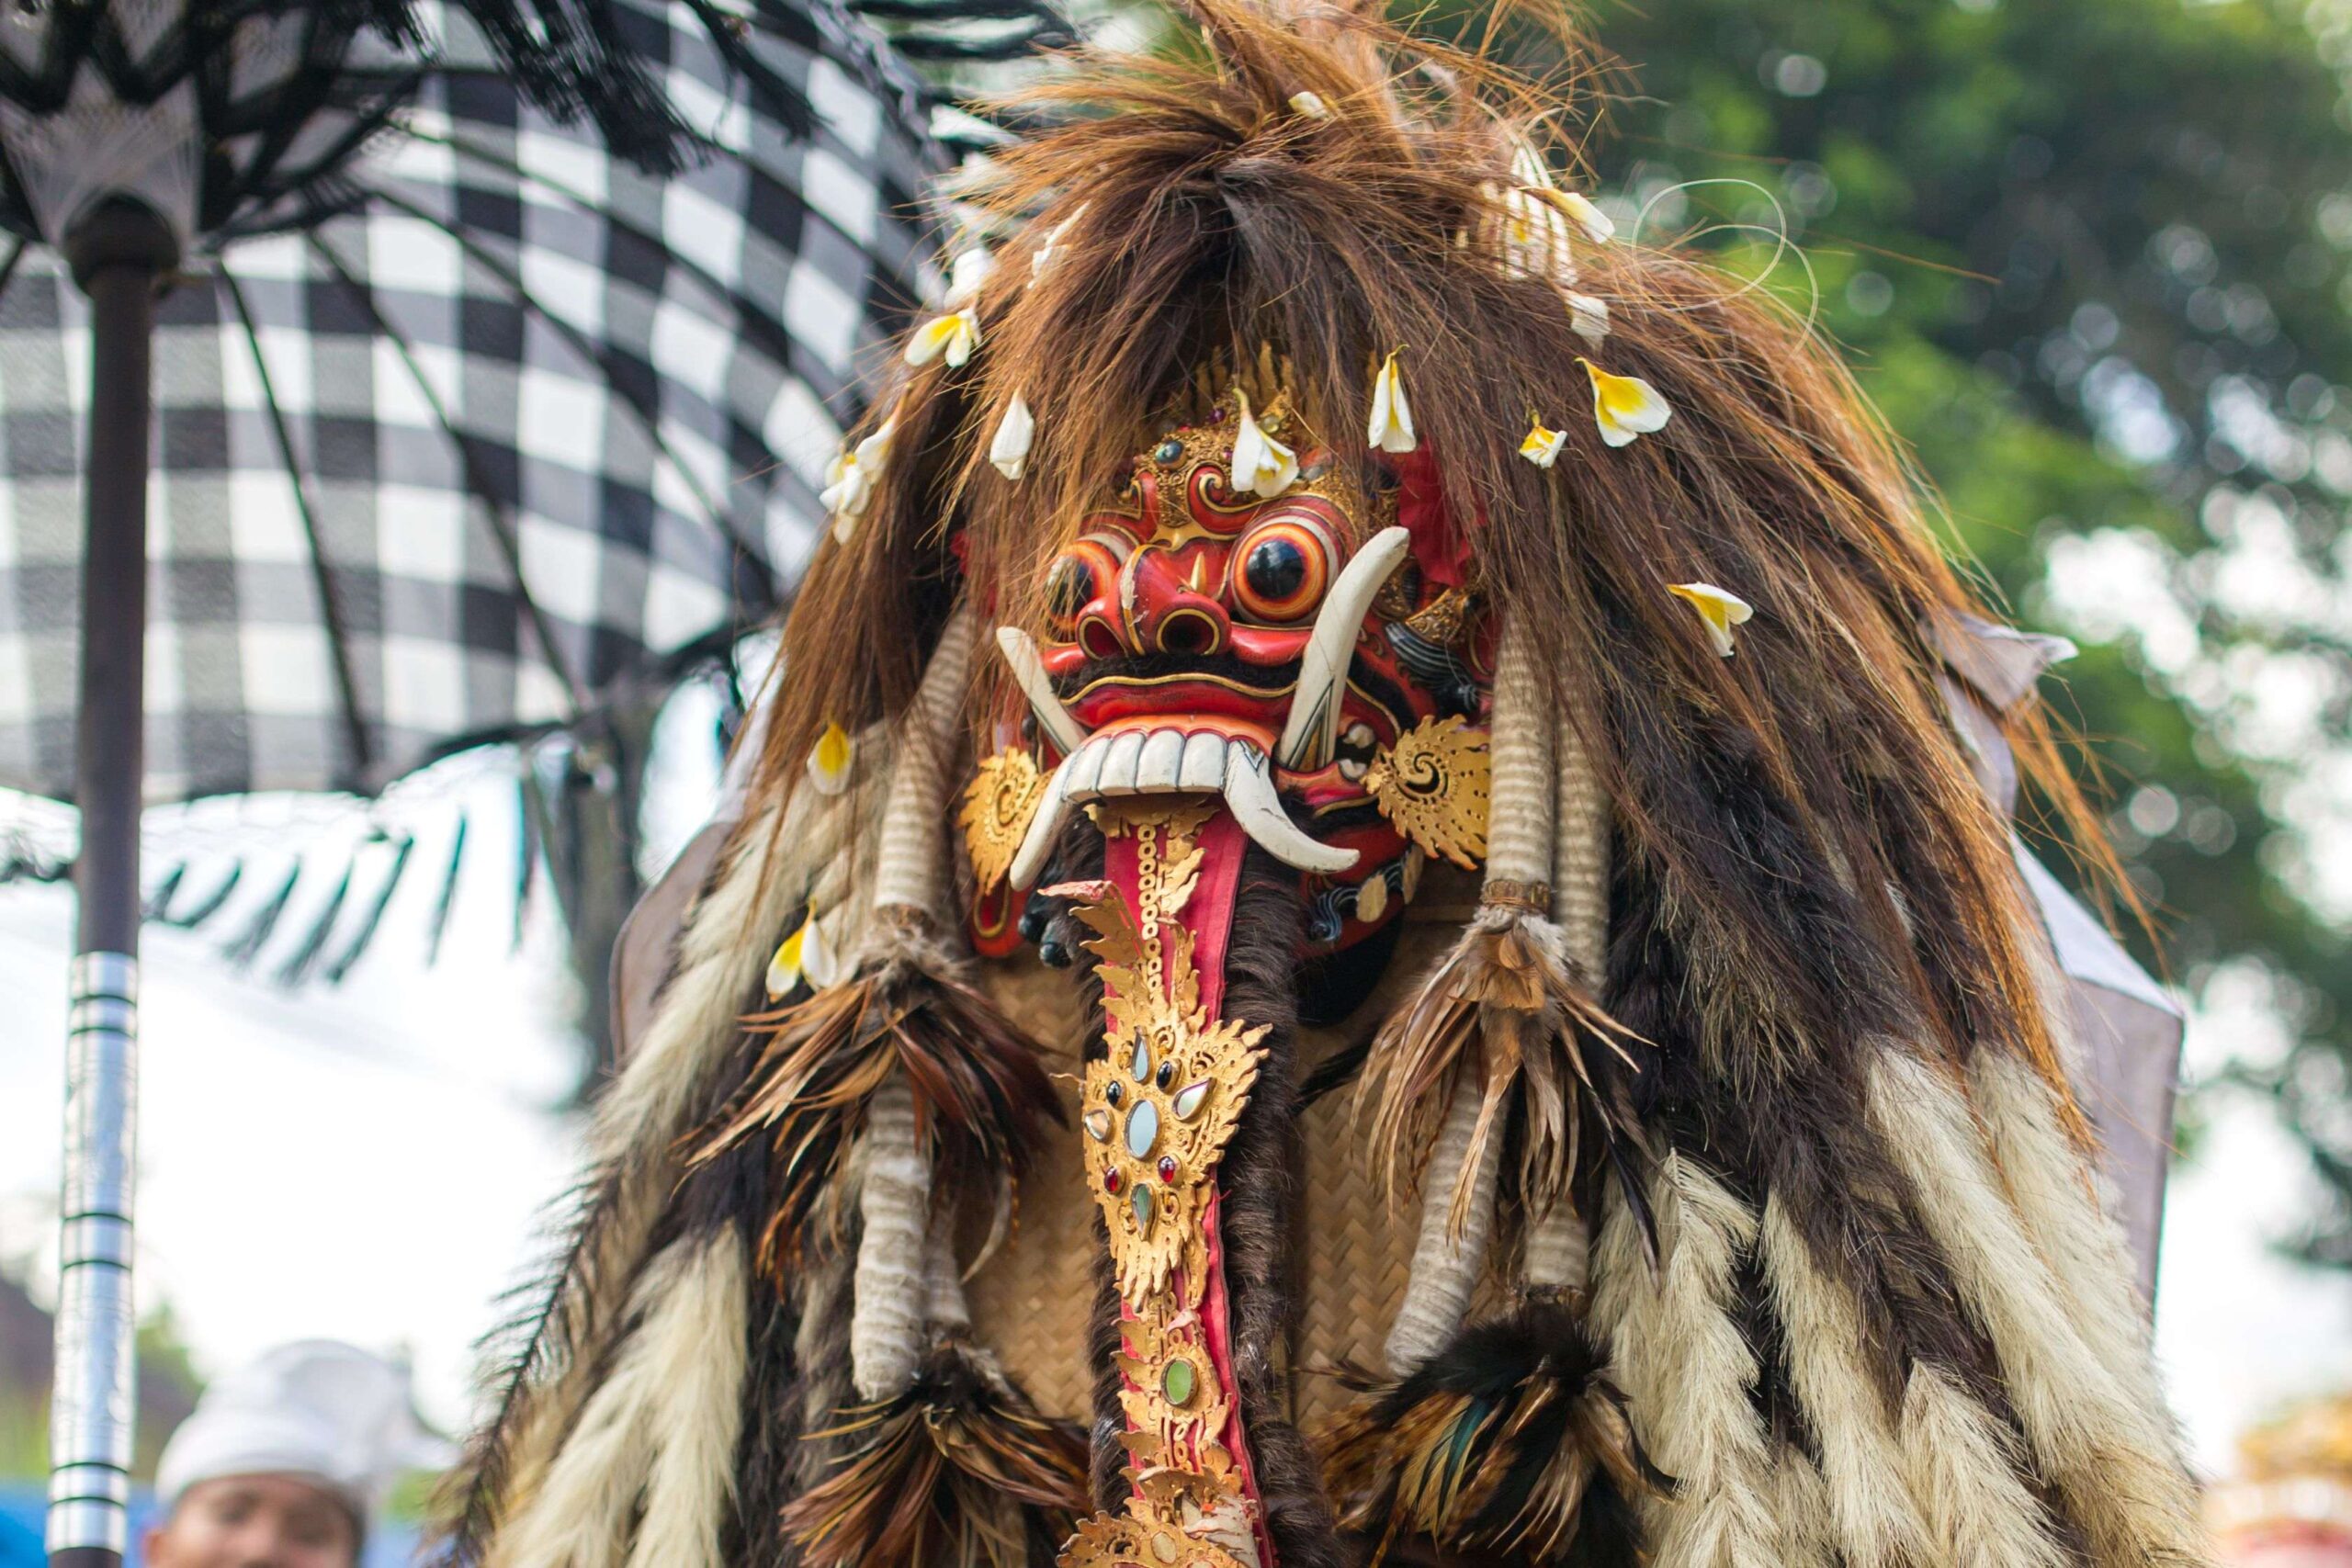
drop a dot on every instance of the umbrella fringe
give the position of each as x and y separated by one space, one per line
209 905
365 937
448 897
297 966
159 902
242 950
530 810
571 58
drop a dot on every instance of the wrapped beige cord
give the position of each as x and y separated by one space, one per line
1557 1240
886 1326
945 1311
887 1329
1457 1218
912 866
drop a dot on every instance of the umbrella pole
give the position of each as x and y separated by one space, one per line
121 253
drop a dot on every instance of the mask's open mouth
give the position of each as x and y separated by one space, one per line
1187 731
1145 757
1226 690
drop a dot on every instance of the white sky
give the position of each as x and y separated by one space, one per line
366 1163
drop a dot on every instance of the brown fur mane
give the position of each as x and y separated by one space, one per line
1194 211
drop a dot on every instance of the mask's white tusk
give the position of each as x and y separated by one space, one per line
1029 674
1313 726
1249 794
1044 829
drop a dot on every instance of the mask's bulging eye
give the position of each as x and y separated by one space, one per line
1080 575
1281 570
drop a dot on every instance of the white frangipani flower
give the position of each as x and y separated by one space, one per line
1010 450
1589 318
1391 427
1528 167
849 480
821 963
1625 407
1533 237
830 759
1262 465
951 337
965 274
1541 447
1043 257
1598 226
1719 608
806 955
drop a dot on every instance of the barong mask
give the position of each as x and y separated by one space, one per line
1286 648
1552 1060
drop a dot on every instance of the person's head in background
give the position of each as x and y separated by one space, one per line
284 1461
256 1521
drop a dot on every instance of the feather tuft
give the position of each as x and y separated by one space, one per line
980 1094
1504 1004
960 1470
1511 1440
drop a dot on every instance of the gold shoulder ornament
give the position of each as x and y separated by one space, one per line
998 804
1432 784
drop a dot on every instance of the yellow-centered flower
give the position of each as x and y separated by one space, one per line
1720 608
1541 447
850 478
1598 226
786 968
820 962
1533 237
1625 406
951 338
829 761
1262 465
1391 428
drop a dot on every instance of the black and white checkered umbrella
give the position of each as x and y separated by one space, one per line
517 422
464 416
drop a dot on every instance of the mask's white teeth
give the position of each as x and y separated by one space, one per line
1045 829
1249 793
1162 764
1119 759
1314 722
1203 763
1029 674
1085 768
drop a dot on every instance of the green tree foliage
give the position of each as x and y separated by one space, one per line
2090 258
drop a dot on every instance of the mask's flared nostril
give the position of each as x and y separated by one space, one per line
1191 632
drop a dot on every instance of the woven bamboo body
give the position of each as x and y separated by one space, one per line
1031 1301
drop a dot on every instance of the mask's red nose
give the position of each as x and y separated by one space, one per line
1175 605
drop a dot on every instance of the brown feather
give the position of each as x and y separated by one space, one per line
1494 1446
1502 1004
979 1092
957 1471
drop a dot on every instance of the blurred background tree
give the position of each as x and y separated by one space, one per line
2089 256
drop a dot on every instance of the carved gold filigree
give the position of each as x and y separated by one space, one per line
1433 783
998 804
1444 621
1137 1539
1187 1077
1161 1106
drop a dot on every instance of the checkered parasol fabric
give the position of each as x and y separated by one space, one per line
555 421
